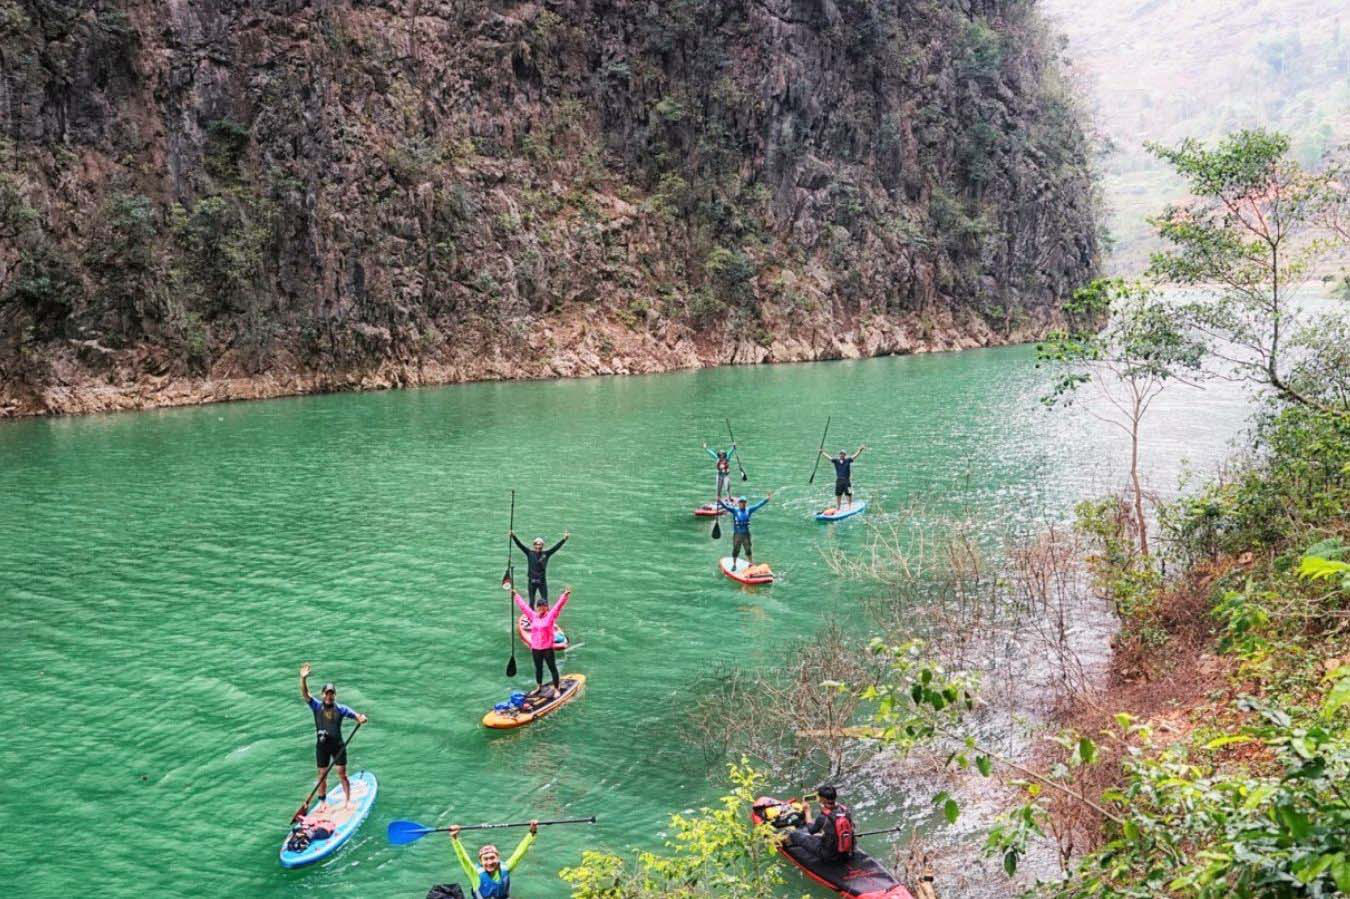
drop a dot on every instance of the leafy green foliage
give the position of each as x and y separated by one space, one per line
716 852
1254 234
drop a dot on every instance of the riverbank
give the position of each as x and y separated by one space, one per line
566 346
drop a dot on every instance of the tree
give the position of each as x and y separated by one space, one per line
1129 361
1255 232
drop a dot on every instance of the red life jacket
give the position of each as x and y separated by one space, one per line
843 830
723 465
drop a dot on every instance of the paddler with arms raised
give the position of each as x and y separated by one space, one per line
740 526
723 460
843 475
491 877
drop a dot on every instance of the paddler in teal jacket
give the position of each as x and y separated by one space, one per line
491 878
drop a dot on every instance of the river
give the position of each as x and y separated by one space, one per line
165 574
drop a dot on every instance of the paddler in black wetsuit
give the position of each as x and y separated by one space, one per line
843 475
537 557
328 748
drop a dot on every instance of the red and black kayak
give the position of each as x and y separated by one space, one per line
860 877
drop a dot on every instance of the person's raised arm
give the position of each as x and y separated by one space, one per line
557 546
522 605
554 612
759 505
304 682
516 541
521 848
710 451
731 452
861 447
726 504
464 861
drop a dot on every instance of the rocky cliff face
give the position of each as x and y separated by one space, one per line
222 198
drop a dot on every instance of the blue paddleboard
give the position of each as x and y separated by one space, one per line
833 514
346 820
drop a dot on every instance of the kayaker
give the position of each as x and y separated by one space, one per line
537 558
491 876
723 460
843 475
740 526
328 748
830 836
542 620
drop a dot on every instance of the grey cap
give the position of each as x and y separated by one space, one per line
329 686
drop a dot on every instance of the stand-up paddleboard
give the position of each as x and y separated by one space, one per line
710 510
336 816
523 628
506 715
746 573
834 514
860 877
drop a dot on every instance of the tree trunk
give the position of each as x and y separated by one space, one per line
1140 522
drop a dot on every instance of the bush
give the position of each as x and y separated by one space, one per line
716 854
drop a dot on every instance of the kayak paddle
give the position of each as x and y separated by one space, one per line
744 476
401 833
716 528
821 450
509 581
871 833
304 806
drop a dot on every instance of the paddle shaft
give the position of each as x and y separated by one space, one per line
510 579
732 435
304 806
590 820
872 833
821 450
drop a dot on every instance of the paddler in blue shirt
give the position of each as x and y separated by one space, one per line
491 877
740 526
328 748
843 475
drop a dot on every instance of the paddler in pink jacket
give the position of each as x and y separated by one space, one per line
542 619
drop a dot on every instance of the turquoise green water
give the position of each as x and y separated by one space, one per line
164 575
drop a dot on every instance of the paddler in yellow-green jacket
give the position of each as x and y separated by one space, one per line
491 877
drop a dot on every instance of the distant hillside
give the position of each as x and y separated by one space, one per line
1163 70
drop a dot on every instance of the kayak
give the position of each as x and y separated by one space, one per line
343 821
861 877
523 628
504 716
710 510
833 514
744 573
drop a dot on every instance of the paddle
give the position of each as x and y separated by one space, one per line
508 581
821 450
716 528
744 476
304 806
401 833
871 833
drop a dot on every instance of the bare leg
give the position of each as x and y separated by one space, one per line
346 785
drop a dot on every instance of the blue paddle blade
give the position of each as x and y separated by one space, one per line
401 833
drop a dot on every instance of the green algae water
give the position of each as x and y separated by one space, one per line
165 574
